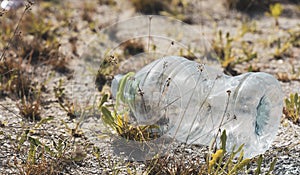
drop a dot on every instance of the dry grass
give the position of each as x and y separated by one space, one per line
31 42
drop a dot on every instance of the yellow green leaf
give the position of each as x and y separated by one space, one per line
276 10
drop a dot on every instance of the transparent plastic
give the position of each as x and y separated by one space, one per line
192 103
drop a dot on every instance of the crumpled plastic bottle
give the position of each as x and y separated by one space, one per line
192 103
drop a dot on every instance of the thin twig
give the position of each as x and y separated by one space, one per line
27 7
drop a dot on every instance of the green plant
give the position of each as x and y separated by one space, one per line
239 4
132 47
218 163
30 110
171 8
224 52
14 32
282 49
69 107
292 108
275 11
121 125
177 9
14 80
106 71
248 27
150 6
43 47
229 55
294 37
223 49
41 155
119 122
248 53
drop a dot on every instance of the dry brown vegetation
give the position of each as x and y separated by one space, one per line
43 46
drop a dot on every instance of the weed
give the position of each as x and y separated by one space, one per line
150 6
239 4
292 108
120 124
223 49
108 2
30 110
40 156
106 71
170 165
75 131
16 30
132 47
37 161
64 103
246 5
282 49
14 80
89 9
228 55
178 10
248 52
171 8
43 46
294 37
248 27
275 11
39 46
45 155
219 162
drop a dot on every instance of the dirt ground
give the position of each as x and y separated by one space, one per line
90 32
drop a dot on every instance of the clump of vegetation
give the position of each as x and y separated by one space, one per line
64 102
121 125
107 2
292 108
228 55
219 162
239 4
283 46
275 11
34 39
110 64
245 5
282 49
30 110
150 6
132 47
171 8
106 71
294 37
14 81
43 156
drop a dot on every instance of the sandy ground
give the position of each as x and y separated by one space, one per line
99 31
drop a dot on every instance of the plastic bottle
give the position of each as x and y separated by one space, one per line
192 102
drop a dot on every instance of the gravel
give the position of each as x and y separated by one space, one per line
80 88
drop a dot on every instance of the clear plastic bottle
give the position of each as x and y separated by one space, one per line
192 102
